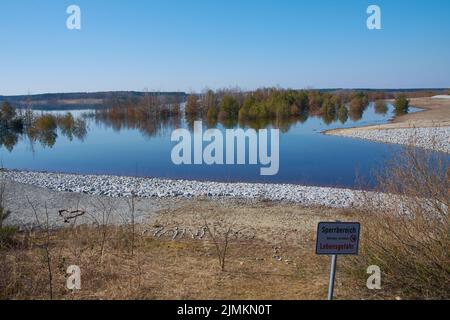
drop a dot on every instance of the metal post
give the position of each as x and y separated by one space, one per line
332 275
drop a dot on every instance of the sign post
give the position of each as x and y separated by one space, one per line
332 276
337 238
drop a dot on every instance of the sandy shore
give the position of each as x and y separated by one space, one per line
429 129
20 196
102 195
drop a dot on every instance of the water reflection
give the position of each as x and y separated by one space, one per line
151 126
381 107
152 118
135 140
43 128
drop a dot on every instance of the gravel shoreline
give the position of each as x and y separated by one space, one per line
117 187
433 138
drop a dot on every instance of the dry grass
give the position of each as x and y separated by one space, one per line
258 266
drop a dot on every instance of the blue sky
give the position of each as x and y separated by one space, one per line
192 44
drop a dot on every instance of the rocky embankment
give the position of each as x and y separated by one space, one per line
116 186
437 138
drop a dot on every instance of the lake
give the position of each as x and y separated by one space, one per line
307 156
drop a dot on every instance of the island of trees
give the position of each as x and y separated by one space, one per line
256 109
41 128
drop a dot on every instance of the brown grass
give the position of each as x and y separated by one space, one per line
258 267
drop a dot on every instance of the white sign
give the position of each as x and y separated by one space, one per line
338 238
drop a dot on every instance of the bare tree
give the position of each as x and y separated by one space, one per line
221 231
46 244
4 213
101 217
132 209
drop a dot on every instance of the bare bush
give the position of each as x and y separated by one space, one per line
102 214
46 243
4 213
6 233
221 232
130 221
410 241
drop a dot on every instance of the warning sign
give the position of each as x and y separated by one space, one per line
338 238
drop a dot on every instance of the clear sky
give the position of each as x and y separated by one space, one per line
192 44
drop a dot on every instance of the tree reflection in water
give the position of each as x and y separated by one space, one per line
43 129
152 116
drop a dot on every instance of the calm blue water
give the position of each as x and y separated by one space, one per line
306 156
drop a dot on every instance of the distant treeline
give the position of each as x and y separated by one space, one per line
97 100
80 100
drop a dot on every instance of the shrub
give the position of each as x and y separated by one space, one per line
410 240
401 105
45 122
7 112
6 233
43 129
212 113
17 124
258 110
9 139
7 236
243 115
4 214
358 103
342 114
66 122
80 129
381 107
229 107
294 110
192 105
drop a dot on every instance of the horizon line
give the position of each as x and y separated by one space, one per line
230 87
